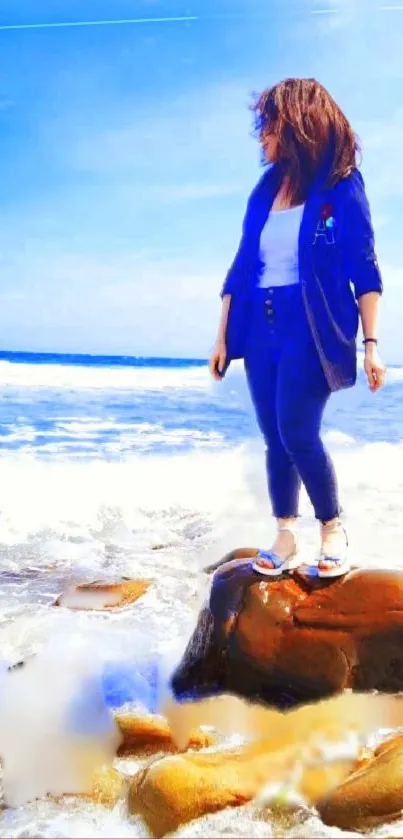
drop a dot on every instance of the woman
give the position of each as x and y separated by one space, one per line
304 272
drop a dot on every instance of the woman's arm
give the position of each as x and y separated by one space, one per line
222 325
357 238
246 258
369 311
368 305
219 354
362 267
235 277
244 266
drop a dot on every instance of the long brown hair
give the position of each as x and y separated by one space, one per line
311 131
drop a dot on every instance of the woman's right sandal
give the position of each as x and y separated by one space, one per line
272 565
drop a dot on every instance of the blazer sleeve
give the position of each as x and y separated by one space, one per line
243 263
357 239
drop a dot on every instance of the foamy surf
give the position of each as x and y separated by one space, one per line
189 502
56 376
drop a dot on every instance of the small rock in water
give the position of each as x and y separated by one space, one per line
102 595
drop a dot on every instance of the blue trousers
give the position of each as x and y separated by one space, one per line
289 393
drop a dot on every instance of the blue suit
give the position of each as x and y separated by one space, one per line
299 341
337 264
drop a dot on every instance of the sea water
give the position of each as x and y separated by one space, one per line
146 468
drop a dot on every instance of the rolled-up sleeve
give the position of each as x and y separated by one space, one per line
239 268
358 240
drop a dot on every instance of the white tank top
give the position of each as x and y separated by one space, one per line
279 248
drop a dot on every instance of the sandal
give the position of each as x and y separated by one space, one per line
272 565
337 564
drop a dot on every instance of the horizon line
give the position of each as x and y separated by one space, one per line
104 355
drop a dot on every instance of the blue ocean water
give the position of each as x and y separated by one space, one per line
101 406
111 406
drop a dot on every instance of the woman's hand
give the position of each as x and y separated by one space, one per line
217 359
374 369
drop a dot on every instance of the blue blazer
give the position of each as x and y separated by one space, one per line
337 264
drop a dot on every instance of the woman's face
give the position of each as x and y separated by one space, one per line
269 145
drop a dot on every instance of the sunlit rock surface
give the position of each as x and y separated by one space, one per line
301 757
297 638
372 794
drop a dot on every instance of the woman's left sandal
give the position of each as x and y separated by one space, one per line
271 565
333 566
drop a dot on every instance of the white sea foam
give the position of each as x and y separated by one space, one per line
85 434
52 741
186 501
104 378
158 378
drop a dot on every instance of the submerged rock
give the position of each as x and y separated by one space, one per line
297 638
102 596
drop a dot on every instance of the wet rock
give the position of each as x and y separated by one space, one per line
295 639
308 753
150 734
175 790
109 786
102 596
370 795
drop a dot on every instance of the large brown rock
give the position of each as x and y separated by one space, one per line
175 790
296 749
371 795
298 752
297 638
140 736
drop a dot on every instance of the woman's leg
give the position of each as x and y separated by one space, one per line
302 395
282 474
283 479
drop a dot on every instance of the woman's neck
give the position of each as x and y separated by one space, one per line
284 199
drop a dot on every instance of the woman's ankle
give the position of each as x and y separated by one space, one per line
333 535
331 523
285 543
284 524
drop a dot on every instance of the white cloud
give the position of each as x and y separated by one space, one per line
132 303
187 138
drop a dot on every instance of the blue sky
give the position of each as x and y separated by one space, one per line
126 158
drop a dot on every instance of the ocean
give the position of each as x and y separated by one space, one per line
142 467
